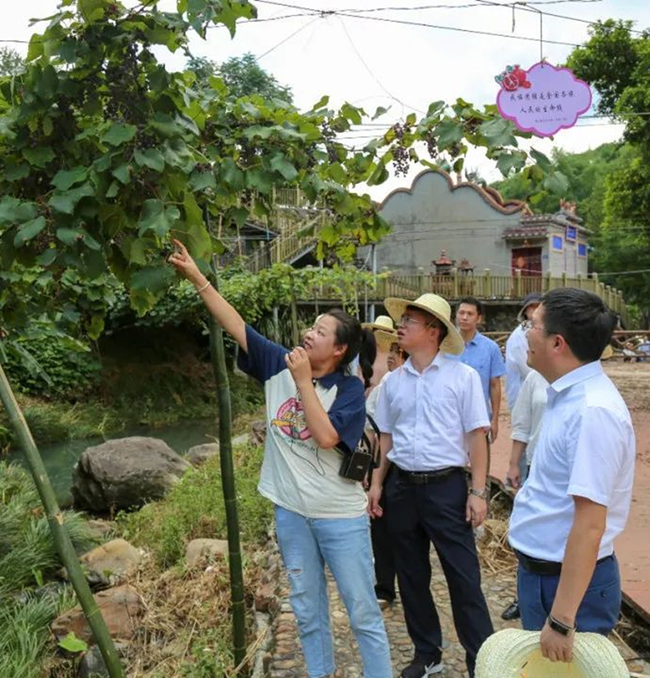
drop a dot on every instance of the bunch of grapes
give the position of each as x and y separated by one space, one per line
328 137
401 160
432 146
455 150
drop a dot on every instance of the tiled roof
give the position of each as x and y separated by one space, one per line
515 232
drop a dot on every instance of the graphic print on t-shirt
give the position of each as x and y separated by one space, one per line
290 420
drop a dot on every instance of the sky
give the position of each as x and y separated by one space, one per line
369 62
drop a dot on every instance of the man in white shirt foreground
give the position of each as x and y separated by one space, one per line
577 497
430 411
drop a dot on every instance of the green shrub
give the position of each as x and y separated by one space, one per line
25 634
45 361
27 551
195 509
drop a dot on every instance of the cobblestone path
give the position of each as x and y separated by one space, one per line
286 661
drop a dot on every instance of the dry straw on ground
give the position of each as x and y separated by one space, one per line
494 551
181 605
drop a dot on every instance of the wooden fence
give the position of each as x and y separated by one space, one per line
486 287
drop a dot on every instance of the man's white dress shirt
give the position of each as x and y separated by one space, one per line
586 448
528 412
429 413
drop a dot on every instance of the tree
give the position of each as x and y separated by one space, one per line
11 63
618 65
243 76
105 155
586 175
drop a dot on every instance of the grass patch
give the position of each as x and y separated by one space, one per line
28 557
195 509
27 551
25 638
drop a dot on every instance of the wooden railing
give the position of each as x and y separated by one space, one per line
487 287
295 238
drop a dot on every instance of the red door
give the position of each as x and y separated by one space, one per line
528 260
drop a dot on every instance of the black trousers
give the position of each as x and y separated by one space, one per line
435 513
382 548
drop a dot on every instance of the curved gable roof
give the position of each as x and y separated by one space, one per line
489 195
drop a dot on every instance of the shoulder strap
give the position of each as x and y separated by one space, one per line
373 424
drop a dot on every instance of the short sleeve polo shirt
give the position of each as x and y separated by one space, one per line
297 474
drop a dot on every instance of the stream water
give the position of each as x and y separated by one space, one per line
60 458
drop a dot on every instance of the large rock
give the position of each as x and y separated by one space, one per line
110 563
121 608
202 550
199 454
125 472
258 432
92 665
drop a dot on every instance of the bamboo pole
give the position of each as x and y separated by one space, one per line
59 532
218 359
295 330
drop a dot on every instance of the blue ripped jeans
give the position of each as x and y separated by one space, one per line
343 544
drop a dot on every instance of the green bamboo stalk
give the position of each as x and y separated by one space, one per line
295 330
59 531
218 359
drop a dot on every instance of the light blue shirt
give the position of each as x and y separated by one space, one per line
586 448
428 413
484 355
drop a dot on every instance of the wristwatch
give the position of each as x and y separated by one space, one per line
482 494
560 627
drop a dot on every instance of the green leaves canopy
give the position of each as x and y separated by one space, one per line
105 155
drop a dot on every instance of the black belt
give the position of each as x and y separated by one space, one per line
427 477
548 567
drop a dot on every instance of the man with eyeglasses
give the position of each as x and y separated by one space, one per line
430 413
577 497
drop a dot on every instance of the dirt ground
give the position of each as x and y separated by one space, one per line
633 546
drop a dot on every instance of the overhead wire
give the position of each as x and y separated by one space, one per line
370 72
291 35
524 8
420 24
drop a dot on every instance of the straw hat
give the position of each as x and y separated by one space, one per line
384 331
512 653
607 353
431 303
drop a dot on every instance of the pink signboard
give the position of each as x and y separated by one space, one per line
543 99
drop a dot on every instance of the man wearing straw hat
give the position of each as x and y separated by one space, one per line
430 411
577 497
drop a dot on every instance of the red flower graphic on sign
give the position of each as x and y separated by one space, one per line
290 419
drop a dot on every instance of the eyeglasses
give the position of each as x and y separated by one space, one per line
406 320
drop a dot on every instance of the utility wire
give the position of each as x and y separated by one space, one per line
372 75
420 24
523 6
291 35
